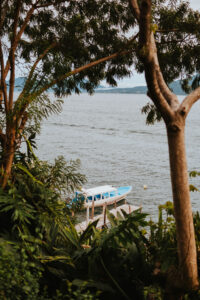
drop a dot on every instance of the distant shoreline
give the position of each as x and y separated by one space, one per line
175 86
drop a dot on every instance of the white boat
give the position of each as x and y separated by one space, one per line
102 195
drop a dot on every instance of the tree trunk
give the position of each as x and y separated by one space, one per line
8 156
187 274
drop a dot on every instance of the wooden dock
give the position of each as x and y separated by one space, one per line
103 220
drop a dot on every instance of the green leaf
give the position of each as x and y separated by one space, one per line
25 170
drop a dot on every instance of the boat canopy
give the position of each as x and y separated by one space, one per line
98 190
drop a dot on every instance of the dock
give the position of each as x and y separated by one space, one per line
103 220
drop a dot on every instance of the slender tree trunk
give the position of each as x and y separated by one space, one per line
187 274
8 156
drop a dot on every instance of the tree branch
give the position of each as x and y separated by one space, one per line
18 35
78 70
22 125
189 101
171 98
3 11
156 94
159 92
64 76
35 65
49 4
136 9
12 55
2 138
3 80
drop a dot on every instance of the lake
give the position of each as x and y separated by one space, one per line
109 135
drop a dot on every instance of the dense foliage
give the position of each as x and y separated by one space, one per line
44 257
129 260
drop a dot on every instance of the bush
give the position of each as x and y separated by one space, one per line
19 277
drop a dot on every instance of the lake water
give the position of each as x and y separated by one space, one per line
108 133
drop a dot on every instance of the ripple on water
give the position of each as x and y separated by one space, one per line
109 134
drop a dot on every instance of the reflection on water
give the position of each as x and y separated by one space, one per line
108 133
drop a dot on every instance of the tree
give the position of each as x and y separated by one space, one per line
82 34
57 42
174 115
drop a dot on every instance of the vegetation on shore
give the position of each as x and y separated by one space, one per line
42 256
68 46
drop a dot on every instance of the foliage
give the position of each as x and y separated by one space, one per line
41 108
55 55
177 41
152 113
37 195
162 237
193 174
61 177
132 257
19 276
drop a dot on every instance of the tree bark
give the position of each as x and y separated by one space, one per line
8 156
187 274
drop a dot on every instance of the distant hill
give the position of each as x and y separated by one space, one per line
133 90
19 83
175 86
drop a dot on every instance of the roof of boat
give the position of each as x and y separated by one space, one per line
99 190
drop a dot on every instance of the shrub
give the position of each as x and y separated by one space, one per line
19 276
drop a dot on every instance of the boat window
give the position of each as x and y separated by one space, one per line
89 198
113 194
106 195
98 197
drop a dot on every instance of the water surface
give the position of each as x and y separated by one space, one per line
108 133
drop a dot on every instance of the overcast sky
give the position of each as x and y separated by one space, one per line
195 4
138 79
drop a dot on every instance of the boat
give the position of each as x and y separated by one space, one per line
101 195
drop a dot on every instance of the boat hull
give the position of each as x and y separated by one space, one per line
121 194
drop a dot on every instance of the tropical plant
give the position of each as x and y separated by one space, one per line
19 276
37 195
120 254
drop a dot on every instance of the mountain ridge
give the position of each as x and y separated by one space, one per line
175 86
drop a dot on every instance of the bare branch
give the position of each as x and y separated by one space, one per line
161 95
35 65
155 92
3 80
170 97
136 9
12 55
189 101
19 34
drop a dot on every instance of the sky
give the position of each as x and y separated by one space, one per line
138 79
